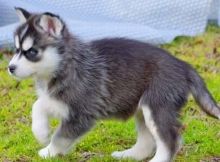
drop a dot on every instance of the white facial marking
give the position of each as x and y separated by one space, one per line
43 68
24 67
23 32
27 43
14 60
17 45
49 63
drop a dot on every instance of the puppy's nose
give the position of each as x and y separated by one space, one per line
12 68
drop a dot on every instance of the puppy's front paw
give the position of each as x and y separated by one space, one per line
50 151
132 153
44 153
47 152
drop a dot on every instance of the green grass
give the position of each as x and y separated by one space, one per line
201 134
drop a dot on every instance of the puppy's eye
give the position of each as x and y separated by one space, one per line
32 52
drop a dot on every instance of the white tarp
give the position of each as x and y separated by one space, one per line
154 21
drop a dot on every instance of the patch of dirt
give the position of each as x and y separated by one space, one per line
211 159
87 155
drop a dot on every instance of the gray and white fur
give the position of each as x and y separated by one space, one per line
80 83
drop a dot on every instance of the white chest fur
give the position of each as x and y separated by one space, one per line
48 104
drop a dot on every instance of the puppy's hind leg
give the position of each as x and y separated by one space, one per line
145 145
164 128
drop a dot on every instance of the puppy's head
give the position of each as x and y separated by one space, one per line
37 41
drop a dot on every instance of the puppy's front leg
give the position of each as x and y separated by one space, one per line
66 134
40 122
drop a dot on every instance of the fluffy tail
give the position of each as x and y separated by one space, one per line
202 96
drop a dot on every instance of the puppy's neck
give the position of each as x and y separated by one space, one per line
41 85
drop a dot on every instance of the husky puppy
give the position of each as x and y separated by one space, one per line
80 83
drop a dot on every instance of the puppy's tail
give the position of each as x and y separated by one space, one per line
202 96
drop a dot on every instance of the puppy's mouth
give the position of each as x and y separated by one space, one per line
19 78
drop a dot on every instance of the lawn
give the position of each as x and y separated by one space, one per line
201 133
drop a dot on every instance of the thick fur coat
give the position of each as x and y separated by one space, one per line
81 83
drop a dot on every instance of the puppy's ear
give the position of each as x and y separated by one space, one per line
23 15
51 24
